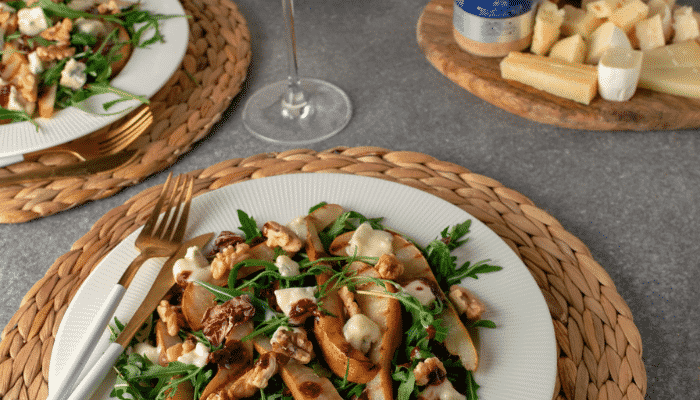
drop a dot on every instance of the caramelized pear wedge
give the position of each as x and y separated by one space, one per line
301 380
164 341
223 377
386 313
196 300
325 215
338 353
458 341
184 391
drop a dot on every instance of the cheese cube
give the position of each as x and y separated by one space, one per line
629 14
606 36
578 21
685 25
618 73
578 82
603 8
571 49
547 27
650 33
31 21
660 7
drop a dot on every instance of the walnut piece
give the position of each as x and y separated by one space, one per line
281 236
250 383
172 316
55 52
225 239
293 343
227 258
59 32
174 352
220 319
112 6
466 303
389 267
431 371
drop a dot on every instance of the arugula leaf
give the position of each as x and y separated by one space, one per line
317 206
17 116
453 236
346 222
248 226
467 270
483 323
407 385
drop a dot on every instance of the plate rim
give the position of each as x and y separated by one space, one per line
548 368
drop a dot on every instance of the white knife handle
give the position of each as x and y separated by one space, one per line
97 373
78 361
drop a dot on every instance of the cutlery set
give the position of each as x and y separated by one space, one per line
161 236
100 151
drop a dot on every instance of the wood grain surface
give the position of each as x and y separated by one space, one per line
646 111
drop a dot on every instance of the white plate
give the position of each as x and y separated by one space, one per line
146 72
518 358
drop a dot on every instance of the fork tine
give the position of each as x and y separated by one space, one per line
164 222
178 211
150 224
128 131
179 232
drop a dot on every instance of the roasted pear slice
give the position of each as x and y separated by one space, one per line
301 380
164 341
458 341
325 215
338 353
196 300
386 313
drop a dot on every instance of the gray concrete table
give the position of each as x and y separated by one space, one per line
631 197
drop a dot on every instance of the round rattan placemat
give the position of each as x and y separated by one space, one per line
600 349
184 110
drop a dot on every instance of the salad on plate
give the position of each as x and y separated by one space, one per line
330 305
57 53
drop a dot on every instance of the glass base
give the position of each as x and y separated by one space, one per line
326 112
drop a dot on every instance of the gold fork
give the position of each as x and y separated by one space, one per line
105 141
160 237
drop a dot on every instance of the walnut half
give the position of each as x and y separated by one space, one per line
466 303
281 236
431 371
293 343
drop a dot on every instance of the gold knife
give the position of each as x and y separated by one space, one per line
163 283
100 164
161 286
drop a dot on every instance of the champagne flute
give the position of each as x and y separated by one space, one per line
296 110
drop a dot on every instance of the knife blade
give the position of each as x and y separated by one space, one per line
89 167
162 284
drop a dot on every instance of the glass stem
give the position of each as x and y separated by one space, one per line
294 100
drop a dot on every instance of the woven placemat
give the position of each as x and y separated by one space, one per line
184 110
599 347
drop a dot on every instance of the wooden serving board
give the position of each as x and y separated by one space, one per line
647 110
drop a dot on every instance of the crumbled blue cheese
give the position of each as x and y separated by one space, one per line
298 226
31 21
73 75
286 298
361 332
368 242
194 264
91 27
197 356
148 351
421 291
35 65
13 101
286 266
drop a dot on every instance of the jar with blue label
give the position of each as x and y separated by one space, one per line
493 28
